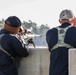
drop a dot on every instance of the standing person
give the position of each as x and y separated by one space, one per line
10 46
59 40
30 41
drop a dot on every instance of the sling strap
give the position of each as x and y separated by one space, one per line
1 35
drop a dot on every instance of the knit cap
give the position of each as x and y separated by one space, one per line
14 21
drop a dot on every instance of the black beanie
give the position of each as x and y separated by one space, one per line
14 21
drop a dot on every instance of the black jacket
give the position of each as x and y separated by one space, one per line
14 47
59 56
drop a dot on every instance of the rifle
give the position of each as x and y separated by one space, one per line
28 37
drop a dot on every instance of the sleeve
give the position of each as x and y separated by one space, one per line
47 36
50 38
19 48
47 40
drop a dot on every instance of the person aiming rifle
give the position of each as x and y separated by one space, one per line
10 46
25 35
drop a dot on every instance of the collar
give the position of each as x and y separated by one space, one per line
65 25
4 31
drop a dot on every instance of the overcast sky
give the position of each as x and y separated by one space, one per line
39 11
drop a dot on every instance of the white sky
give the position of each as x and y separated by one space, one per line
38 11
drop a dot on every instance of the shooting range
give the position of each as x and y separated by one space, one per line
37 63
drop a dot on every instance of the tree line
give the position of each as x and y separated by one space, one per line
42 29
